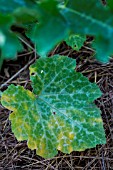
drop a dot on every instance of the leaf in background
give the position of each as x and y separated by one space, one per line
10 5
0 93
23 11
102 51
76 41
51 29
60 114
110 4
9 43
11 47
62 2
91 18
25 16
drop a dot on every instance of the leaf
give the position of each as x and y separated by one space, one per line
97 22
62 2
102 51
11 46
25 16
9 43
50 30
60 114
76 41
110 4
0 93
10 5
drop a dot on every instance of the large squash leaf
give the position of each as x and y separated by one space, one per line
59 113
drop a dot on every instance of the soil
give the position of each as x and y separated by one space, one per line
15 155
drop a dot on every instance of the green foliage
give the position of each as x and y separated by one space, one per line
0 94
102 50
97 22
13 13
76 41
9 44
10 5
110 4
59 113
48 22
51 28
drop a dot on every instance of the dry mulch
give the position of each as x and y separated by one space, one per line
15 155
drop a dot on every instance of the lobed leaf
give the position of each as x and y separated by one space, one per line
92 18
14 12
55 19
9 43
110 4
10 5
51 29
102 51
75 41
59 113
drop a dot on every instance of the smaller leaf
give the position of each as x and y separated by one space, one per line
76 41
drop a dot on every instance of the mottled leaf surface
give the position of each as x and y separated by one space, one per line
59 113
76 41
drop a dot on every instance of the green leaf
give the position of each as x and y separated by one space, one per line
0 93
10 5
60 114
25 16
63 2
76 41
97 22
102 51
51 29
9 43
11 47
110 4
